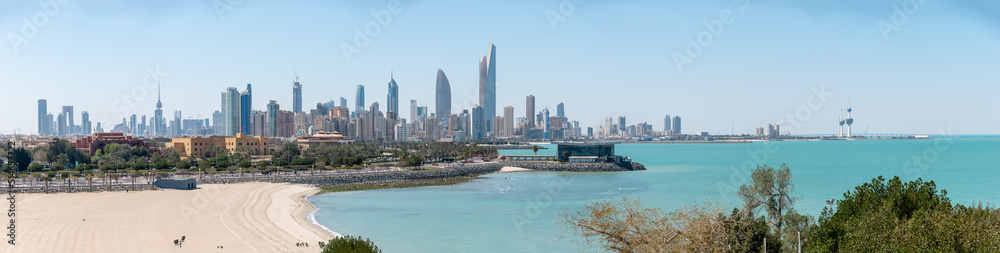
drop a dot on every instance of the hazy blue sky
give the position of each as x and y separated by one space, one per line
937 67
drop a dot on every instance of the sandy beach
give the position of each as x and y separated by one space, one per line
245 217
512 169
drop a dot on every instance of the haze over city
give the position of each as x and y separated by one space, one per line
934 70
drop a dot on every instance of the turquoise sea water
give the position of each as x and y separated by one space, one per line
519 212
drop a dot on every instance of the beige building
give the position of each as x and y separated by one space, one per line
198 146
322 138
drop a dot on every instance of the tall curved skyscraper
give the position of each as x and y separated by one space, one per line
488 85
443 96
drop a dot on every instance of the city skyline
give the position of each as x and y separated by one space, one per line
882 75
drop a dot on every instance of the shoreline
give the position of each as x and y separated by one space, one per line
243 217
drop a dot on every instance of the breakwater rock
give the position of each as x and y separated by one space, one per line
576 167
328 180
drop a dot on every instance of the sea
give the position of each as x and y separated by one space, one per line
522 211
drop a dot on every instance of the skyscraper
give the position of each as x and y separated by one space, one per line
68 113
545 119
392 99
443 96
559 110
621 124
478 123
666 123
296 95
413 110
272 119
677 125
488 85
133 125
529 110
359 100
245 111
343 102
230 112
43 109
508 124
85 122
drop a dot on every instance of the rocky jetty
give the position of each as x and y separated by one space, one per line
78 188
328 180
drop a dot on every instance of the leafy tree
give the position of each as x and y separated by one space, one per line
35 167
184 164
245 164
56 166
161 165
627 226
882 216
23 158
204 164
349 244
769 190
534 148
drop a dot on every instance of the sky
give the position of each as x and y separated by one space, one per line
911 67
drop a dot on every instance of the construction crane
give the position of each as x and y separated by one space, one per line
296 77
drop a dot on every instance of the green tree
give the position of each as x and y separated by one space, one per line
183 164
769 190
534 148
349 244
161 165
245 164
23 158
35 167
882 216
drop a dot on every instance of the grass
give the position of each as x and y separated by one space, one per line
395 184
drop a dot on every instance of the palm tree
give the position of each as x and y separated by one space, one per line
534 148
90 179
46 178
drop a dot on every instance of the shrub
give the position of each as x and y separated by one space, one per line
349 244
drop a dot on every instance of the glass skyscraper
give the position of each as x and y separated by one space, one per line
488 85
442 96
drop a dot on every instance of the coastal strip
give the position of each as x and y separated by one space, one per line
263 217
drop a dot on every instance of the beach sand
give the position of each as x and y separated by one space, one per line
245 217
512 169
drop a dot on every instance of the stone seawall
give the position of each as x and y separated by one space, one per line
576 167
374 177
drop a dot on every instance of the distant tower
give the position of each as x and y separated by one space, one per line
443 97
842 124
296 94
849 119
393 96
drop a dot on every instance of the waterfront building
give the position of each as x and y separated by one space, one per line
677 125
588 152
666 123
442 96
198 146
488 85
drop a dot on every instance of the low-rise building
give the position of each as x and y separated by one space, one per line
91 144
322 138
199 146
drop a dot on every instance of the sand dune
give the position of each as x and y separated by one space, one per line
246 217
